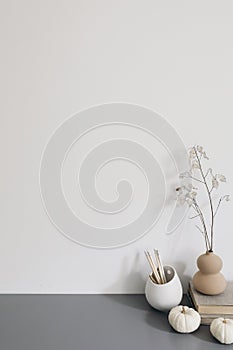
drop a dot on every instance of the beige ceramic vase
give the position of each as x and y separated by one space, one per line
208 280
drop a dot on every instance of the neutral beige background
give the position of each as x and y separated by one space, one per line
58 57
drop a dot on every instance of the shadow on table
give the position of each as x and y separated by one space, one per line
203 333
158 320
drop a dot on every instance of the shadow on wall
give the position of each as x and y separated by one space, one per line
132 276
180 267
130 279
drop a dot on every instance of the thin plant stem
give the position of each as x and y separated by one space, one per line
206 240
208 171
198 210
194 178
219 203
210 200
194 217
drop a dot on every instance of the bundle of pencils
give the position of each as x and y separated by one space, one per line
158 275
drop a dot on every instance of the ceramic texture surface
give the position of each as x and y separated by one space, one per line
209 280
163 297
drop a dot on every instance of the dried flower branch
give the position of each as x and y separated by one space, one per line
188 194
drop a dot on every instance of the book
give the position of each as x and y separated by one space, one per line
207 319
221 304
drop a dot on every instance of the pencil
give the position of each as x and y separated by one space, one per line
153 267
160 266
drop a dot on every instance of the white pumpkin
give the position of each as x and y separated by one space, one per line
222 329
184 319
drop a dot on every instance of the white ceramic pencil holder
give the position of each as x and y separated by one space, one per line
165 296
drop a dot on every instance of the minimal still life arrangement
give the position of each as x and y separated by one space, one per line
210 294
208 280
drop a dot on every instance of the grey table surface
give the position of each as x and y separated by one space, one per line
91 322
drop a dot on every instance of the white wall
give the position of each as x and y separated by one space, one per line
58 57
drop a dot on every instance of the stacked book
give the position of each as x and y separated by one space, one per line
212 306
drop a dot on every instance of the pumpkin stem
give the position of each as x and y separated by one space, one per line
183 310
224 321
